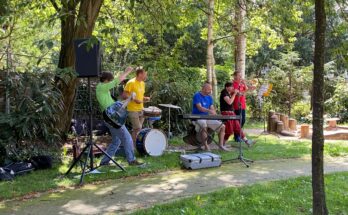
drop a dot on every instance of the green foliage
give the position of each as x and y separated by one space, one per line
223 75
338 104
301 111
33 113
289 81
173 86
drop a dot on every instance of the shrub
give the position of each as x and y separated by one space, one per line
337 105
35 102
301 111
173 86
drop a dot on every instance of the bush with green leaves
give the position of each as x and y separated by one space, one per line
337 105
34 106
301 112
173 86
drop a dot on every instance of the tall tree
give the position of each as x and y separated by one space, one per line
211 76
77 21
319 202
240 38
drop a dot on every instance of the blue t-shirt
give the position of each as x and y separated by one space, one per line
206 102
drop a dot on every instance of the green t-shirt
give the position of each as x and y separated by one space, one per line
103 93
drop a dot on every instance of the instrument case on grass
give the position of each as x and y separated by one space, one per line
200 160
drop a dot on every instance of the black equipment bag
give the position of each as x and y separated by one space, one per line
6 174
41 162
20 167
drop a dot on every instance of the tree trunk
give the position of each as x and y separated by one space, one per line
211 77
240 38
290 93
319 202
73 27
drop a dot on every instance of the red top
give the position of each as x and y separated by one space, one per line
241 87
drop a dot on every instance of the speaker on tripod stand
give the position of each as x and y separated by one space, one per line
87 65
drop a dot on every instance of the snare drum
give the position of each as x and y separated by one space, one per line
151 142
152 111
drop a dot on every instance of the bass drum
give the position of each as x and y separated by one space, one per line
151 142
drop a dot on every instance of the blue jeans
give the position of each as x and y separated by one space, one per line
120 135
237 112
243 117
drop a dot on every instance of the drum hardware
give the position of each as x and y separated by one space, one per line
152 114
151 142
182 151
240 156
169 106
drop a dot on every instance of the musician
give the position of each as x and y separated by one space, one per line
203 104
135 107
119 135
227 97
239 103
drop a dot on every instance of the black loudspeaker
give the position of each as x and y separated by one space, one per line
87 58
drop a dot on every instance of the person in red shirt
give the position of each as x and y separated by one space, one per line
239 103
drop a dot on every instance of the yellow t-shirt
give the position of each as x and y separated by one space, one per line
138 87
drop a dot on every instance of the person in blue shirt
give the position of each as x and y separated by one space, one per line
203 104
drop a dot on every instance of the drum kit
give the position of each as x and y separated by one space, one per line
150 141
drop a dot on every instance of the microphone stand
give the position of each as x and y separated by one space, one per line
240 156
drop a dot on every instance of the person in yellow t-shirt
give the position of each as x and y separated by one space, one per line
135 107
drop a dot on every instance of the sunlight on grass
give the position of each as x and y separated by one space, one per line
55 195
65 182
267 147
293 196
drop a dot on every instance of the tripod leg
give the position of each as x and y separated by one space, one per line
85 164
77 160
107 155
242 160
247 160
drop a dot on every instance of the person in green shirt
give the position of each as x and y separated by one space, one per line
119 135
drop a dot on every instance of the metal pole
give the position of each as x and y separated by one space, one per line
90 124
7 94
169 126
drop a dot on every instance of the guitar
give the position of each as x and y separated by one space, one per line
116 114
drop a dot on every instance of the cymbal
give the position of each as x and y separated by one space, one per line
170 106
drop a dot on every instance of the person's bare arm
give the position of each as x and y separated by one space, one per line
206 110
212 110
229 100
126 72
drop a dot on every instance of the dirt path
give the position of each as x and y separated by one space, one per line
125 195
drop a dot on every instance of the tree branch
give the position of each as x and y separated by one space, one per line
55 5
9 33
220 38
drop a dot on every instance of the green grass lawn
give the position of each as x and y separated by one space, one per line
293 196
254 123
267 147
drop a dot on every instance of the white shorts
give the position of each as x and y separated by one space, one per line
203 123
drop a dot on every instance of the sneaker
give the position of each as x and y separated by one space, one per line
135 163
249 143
105 164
